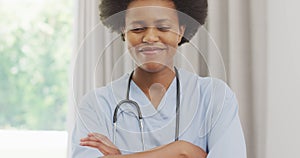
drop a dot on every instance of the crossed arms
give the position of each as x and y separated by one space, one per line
177 149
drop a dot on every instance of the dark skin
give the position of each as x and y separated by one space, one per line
177 149
152 40
154 85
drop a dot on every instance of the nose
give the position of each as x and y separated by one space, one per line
151 35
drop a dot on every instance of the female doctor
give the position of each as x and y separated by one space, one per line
158 110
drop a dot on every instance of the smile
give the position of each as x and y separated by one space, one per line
151 50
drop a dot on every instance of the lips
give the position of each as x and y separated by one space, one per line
150 50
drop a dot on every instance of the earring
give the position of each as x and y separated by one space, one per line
123 36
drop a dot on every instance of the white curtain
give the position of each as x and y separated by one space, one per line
237 30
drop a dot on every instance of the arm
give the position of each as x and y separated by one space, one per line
90 117
226 139
178 149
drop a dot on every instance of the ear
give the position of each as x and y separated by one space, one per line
181 32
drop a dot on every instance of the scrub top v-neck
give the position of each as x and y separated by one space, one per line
209 117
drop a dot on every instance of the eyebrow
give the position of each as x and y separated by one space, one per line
155 22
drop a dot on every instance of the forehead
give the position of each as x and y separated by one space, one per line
150 10
159 3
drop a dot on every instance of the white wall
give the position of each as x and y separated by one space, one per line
283 79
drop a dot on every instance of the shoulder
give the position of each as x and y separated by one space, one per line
214 94
206 85
107 95
215 87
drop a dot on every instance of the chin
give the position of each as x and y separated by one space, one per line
152 67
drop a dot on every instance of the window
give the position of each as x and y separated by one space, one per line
35 50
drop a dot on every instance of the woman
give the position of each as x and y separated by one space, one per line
183 115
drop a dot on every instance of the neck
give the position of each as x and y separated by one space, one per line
146 79
154 84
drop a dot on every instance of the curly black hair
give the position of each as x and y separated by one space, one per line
195 9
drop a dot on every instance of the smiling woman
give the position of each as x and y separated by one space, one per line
159 109
152 38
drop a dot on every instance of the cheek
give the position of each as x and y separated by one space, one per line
172 41
172 38
132 40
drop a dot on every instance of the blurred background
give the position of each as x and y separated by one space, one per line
35 53
51 54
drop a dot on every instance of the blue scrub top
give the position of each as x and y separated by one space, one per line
208 117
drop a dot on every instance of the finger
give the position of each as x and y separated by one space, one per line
102 138
97 145
96 137
93 144
85 139
108 146
91 139
106 150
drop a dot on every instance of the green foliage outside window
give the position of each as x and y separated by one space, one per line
35 50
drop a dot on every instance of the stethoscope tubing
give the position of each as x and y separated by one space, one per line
140 116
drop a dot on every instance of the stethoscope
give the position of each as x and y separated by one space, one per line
140 116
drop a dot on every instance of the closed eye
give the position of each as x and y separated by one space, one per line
138 29
164 28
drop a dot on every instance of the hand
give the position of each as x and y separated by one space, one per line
100 142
